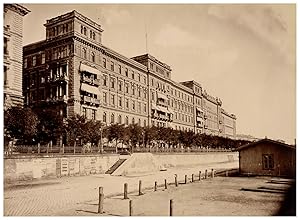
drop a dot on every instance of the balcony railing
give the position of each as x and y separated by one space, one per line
60 78
62 98
91 81
90 100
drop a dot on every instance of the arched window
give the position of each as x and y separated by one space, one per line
133 121
112 118
84 30
84 53
91 34
139 122
126 120
120 119
93 57
94 36
81 29
104 117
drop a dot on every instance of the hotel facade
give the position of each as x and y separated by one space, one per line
74 73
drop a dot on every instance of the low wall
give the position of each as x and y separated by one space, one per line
20 169
178 160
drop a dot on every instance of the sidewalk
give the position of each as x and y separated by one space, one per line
51 197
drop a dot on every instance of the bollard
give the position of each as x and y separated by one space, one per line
101 200
192 178
39 148
185 179
176 183
226 174
212 173
205 174
199 175
140 188
155 186
125 191
130 207
171 207
166 186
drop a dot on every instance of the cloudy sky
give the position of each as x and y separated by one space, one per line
243 54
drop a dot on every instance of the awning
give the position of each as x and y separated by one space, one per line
199 109
89 69
90 89
199 118
161 96
163 109
154 107
171 111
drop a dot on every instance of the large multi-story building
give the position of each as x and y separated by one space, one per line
73 72
12 72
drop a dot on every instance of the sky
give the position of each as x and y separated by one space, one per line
243 54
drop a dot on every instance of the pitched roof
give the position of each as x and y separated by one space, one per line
268 141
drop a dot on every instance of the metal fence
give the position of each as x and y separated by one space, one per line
47 149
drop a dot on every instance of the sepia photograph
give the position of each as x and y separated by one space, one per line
139 109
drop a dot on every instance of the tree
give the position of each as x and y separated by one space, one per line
74 128
51 124
20 123
116 133
134 135
150 135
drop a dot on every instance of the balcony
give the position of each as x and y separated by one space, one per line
90 100
87 99
91 81
62 98
154 115
59 78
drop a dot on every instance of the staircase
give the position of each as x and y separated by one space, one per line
115 166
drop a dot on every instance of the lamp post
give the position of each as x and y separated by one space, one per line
101 143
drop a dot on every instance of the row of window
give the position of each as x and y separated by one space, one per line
159 70
41 78
85 32
129 89
120 120
42 93
59 30
183 117
34 60
183 128
134 105
113 66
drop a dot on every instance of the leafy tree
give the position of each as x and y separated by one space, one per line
150 135
20 123
51 124
116 133
74 128
134 135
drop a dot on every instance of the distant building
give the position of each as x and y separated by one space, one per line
13 34
267 157
73 72
246 137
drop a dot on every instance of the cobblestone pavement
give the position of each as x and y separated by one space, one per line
51 197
